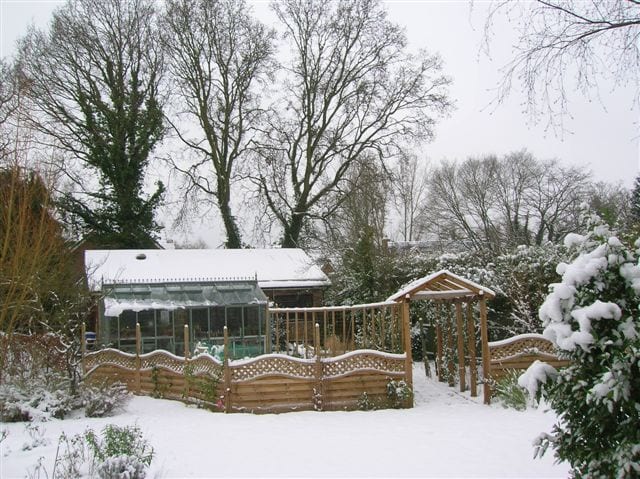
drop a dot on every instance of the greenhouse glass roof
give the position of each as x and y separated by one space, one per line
139 296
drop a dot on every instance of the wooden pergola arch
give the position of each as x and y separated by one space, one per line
449 290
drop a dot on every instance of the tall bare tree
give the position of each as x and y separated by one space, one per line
566 45
94 86
410 190
352 90
220 57
362 206
491 204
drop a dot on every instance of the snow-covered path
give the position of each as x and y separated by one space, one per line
445 435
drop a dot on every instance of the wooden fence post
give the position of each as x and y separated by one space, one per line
83 347
186 373
138 360
318 393
439 341
460 331
187 348
451 365
484 337
406 327
473 363
227 373
267 333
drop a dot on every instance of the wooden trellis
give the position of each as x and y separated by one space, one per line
456 301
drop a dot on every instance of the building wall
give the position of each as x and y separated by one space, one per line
295 298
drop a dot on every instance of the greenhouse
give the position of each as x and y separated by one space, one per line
163 310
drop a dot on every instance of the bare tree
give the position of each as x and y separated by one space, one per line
362 206
492 204
93 81
220 56
410 190
516 179
351 91
555 201
570 44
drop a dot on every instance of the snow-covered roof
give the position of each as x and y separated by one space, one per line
273 268
441 285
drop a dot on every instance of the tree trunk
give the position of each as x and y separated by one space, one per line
233 233
292 231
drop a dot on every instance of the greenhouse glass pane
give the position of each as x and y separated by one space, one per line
180 318
147 323
252 326
234 321
217 322
128 325
200 323
164 324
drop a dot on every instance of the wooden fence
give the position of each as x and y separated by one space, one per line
518 353
376 326
324 378
267 383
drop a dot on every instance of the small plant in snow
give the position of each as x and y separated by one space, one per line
592 316
317 399
399 393
121 453
36 437
70 457
122 467
38 470
510 393
365 403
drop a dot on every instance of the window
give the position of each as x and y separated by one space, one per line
199 323
147 323
217 322
234 321
128 325
164 325
252 326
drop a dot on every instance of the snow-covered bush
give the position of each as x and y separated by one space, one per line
35 399
103 400
122 467
121 453
592 317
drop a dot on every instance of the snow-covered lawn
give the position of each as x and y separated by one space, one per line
446 435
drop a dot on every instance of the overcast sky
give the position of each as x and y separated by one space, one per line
601 136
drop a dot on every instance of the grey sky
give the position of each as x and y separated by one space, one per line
605 140
602 136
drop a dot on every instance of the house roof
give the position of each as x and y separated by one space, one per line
272 268
442 285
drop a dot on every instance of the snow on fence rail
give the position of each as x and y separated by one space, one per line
267 383
518 353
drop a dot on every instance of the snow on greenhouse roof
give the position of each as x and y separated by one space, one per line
273 268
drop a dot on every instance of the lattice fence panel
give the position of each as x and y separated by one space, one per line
518 346
162 359
272 365
110 356
363 361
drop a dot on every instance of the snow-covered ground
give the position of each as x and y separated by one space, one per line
446 434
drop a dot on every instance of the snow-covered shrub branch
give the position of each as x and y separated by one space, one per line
592 316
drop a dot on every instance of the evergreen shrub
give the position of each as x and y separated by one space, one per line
592 316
